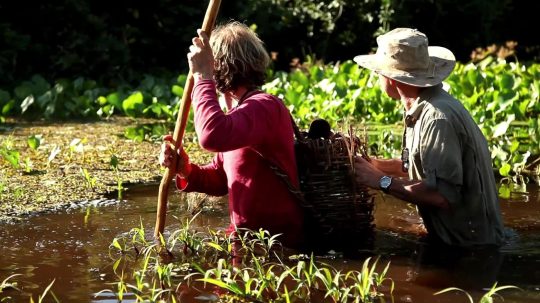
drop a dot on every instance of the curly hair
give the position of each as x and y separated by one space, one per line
240 58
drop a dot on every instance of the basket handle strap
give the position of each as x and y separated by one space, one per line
298 195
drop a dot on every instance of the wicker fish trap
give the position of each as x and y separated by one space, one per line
337 209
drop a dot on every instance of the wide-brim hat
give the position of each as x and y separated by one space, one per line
403 54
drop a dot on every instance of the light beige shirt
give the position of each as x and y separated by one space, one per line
449 153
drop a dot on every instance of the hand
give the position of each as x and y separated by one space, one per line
166 158
200 57
366 173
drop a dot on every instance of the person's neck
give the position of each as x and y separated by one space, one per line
235 97
408 95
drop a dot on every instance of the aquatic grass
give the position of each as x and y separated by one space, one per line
7 284
42 296
121 289
247 265
52 155
486 297
76 146
191 240
90 180
114 162
367 281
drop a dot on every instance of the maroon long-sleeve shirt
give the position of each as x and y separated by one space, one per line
246 139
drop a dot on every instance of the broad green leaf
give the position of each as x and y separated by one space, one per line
6 109
177 90
505 170
133 105
114 99
34 141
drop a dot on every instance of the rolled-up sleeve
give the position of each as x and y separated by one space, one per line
441 156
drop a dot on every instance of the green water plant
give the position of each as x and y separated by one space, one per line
90 180
486 297
114 162
10 154
247 267
8 284
41 297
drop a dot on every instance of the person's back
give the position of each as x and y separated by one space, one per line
465 174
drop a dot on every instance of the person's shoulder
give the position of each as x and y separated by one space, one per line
265 99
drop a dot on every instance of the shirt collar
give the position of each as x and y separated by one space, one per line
413 114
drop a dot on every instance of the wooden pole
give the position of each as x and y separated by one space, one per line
180 127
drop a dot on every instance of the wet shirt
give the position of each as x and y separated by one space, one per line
450 154
245 140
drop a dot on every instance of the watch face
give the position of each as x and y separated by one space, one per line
385 182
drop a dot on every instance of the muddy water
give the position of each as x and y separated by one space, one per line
71 247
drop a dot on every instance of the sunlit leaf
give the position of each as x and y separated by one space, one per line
505 169
34 141
500 129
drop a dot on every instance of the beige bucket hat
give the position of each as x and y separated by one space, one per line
403 55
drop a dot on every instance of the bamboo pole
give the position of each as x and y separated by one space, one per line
180 127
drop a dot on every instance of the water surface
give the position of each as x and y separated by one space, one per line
71 247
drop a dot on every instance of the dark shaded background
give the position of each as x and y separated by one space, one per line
118 41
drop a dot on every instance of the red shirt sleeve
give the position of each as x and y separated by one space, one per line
209 179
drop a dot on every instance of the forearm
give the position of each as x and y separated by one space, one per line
391 167
417 192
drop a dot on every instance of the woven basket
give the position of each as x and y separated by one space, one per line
339 212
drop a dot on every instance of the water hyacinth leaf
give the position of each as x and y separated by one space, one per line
34 141
114 99
6 109
23 91
514 147
135 133
101 100
181 80
506 82
505 169
159 91
133 104
177 90
148 82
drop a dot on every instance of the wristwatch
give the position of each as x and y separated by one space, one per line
384 183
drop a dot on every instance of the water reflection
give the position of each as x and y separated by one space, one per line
72 248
